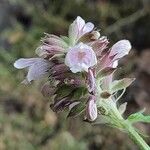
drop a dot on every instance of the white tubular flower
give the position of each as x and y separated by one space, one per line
37 67
80 58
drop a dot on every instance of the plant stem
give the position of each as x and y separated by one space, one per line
119 122
137 138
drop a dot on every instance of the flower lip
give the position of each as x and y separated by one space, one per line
37 67
80 58
120 49
79 28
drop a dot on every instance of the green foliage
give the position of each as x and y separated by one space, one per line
63 91
79 93
105 72
121 84
139 117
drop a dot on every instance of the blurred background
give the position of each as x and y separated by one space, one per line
26 121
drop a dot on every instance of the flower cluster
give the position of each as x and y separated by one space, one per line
79 68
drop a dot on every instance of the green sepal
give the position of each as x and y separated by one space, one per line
63 91
122 108
101 119
105 72
79 93
77 110
65 39
120 84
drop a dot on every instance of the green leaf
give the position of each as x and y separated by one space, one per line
63 91
105 72
139 117
65 39
77 110
121 84
79 93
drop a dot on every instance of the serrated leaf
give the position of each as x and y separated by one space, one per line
105 72
121 84
77 110
139 117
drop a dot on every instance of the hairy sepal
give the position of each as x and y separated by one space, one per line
120 84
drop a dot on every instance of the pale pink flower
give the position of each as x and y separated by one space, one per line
37 67
61 58
110 59
78 28
99 46
119 50
80 58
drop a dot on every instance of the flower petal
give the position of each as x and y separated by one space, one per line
88 27
38 70
75 28
80 58
24 62
78 28
120 49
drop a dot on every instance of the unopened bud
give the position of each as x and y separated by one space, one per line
95 35
48 90
91 111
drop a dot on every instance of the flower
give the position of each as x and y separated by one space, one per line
80 58
79 68
79 28
38 67
119 50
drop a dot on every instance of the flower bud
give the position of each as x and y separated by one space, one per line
48 90
91 110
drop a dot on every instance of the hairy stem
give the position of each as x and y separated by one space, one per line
125 125
137 138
